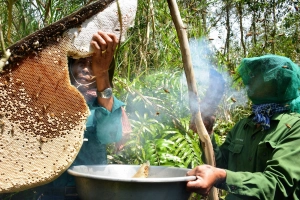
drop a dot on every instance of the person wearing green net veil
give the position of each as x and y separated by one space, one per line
260 156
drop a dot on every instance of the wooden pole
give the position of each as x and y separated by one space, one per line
6 53
192 87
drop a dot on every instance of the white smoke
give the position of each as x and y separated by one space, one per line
204 59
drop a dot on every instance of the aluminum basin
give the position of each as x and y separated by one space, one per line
114 182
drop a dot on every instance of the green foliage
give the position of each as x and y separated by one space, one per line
160 119
29 16
149 66
161 145
177 148
148 75
161 95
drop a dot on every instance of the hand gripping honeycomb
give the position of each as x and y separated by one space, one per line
42 116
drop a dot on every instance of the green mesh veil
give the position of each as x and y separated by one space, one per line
272 79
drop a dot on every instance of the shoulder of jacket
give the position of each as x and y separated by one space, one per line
291 115
289 118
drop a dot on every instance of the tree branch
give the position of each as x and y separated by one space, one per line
191 81
47 12
6 53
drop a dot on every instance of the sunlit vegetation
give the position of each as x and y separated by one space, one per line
149 74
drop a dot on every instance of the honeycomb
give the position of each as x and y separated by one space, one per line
42 116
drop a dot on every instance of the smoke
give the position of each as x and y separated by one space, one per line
201 59
212 92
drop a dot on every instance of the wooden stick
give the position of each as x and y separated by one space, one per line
6 53
193 97
2 39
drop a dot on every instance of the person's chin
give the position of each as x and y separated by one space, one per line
83 88
84 80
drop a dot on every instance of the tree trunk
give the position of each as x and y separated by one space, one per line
228 28
266 28
254 20
239 8
47 13
204 15
274 27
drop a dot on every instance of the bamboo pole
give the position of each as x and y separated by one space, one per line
193 96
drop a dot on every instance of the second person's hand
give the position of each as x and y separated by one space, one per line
207 177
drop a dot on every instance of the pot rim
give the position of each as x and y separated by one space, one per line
141 180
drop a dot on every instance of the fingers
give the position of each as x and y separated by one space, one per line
207 177
104 42
194 185
104 45
191 172
198 186
115 41
196 171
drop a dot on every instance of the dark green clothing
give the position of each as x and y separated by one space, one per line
262 165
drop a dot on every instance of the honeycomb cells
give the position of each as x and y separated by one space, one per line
42 119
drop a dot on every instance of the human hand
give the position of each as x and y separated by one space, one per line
104 45
119 146
208 122
207 176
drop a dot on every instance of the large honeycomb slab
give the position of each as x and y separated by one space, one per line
42 116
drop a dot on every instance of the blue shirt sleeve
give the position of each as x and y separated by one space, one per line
107 124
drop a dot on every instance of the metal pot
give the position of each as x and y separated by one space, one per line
115 182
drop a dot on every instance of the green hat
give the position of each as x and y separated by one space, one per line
270 79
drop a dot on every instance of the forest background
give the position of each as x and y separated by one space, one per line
149 75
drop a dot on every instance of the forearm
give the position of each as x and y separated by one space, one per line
104 45
258 185
102 80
